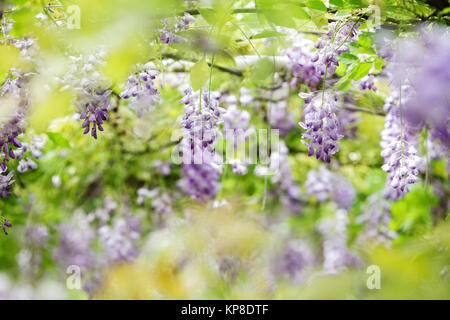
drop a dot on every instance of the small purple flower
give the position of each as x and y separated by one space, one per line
322 126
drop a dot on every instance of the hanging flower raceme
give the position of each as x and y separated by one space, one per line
4 223
32 148
140 88
91 90
418 62
376 218
15 93
289 190
332 45
201 166
300 61
399 141
280 118
337 256
236 132
168 35
326 185
321 125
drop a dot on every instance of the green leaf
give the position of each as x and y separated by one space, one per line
344 85
279 17
379 63
361 70
262 69
267 34
347 58
341 69
316 4
209 15
199 74
59 140
337 3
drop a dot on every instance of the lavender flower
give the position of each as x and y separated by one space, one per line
91 90
140 87
236 132
419 62
399 142
202 167
348 121
4 223
322 126
120 240
75 243
376 218
295 260
161 202
290 193
337 256
326 185
245 98
329 47
300 61
280 118
168 35
5 183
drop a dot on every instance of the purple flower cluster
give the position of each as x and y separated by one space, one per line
141 88
14 91
161 201
295 260
399 140
4 223
337 256
168 35
280 118
119 240
34 147
376 218
288 189
200 130
91 90
348 121
326 185
331 46
367 83
322 126
236 132
418 62
75 243
300 62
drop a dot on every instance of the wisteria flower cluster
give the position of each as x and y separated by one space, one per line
327 185
399 142
289 190
300 62
418 62
140 87
337 256
331 46
4 223
236 122
322 126
376 218
200 130
161 201
168 35
90 88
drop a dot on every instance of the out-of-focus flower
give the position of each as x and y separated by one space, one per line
140 88
326 185
337 256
